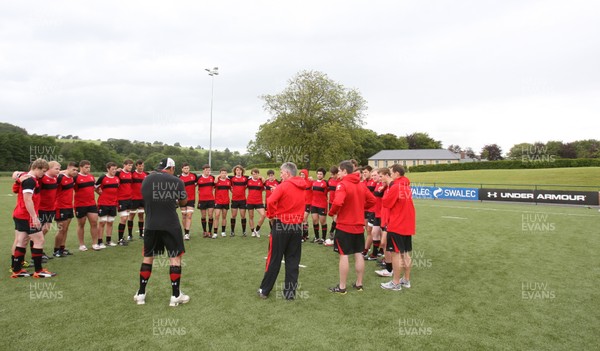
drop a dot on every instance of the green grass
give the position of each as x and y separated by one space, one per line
471 263
580 176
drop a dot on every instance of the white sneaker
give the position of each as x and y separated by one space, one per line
391 286
111 243
253 233
186 237
83 248
223 234
258 234
102 246
139 298
214 236
328 242
405 283
383 273
96 247
182 298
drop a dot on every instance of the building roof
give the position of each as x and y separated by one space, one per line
419 154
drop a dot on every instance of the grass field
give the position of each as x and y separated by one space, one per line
486 276
580 176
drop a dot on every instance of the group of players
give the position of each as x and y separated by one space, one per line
60 196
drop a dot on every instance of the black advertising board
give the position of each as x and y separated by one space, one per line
588 198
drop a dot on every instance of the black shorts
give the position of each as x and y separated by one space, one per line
307 208
81 212
377 222
221 206
107 211
347 244
135 204
62 214
203 205
319 210
156 241
369 216
23 225
398 243
190 203
254 206
46 216
241 204
125 205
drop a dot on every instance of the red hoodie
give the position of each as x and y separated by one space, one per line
286 202
398 199
351 200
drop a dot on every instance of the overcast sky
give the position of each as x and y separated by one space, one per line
466 72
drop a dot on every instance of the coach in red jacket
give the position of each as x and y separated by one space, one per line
351 200
286 207
400 226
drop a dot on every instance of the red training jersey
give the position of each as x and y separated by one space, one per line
238 188
110 190
206 186
84 190
31 186
189 180
136 184
332 183
370 184
48 187
255 191
222 189
125 181
64 193
378 193
269 186
319 193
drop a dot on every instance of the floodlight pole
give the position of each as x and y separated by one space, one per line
211 72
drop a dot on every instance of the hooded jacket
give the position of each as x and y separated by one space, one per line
286 202
351 200
398 199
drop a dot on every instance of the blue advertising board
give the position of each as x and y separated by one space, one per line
444 193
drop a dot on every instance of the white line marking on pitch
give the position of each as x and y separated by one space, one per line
452 217
300 265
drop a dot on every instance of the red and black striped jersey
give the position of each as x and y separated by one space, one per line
308 194
332 184
206 186
64 193
84 190
319 193
238 187
136 184
125 181
378 193
110 190
255 191
189 180
269 186
30 185
48 187
222 189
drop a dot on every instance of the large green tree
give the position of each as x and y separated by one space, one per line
313 122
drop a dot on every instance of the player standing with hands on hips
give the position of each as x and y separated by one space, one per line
163 193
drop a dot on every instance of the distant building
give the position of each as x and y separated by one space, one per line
409 158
